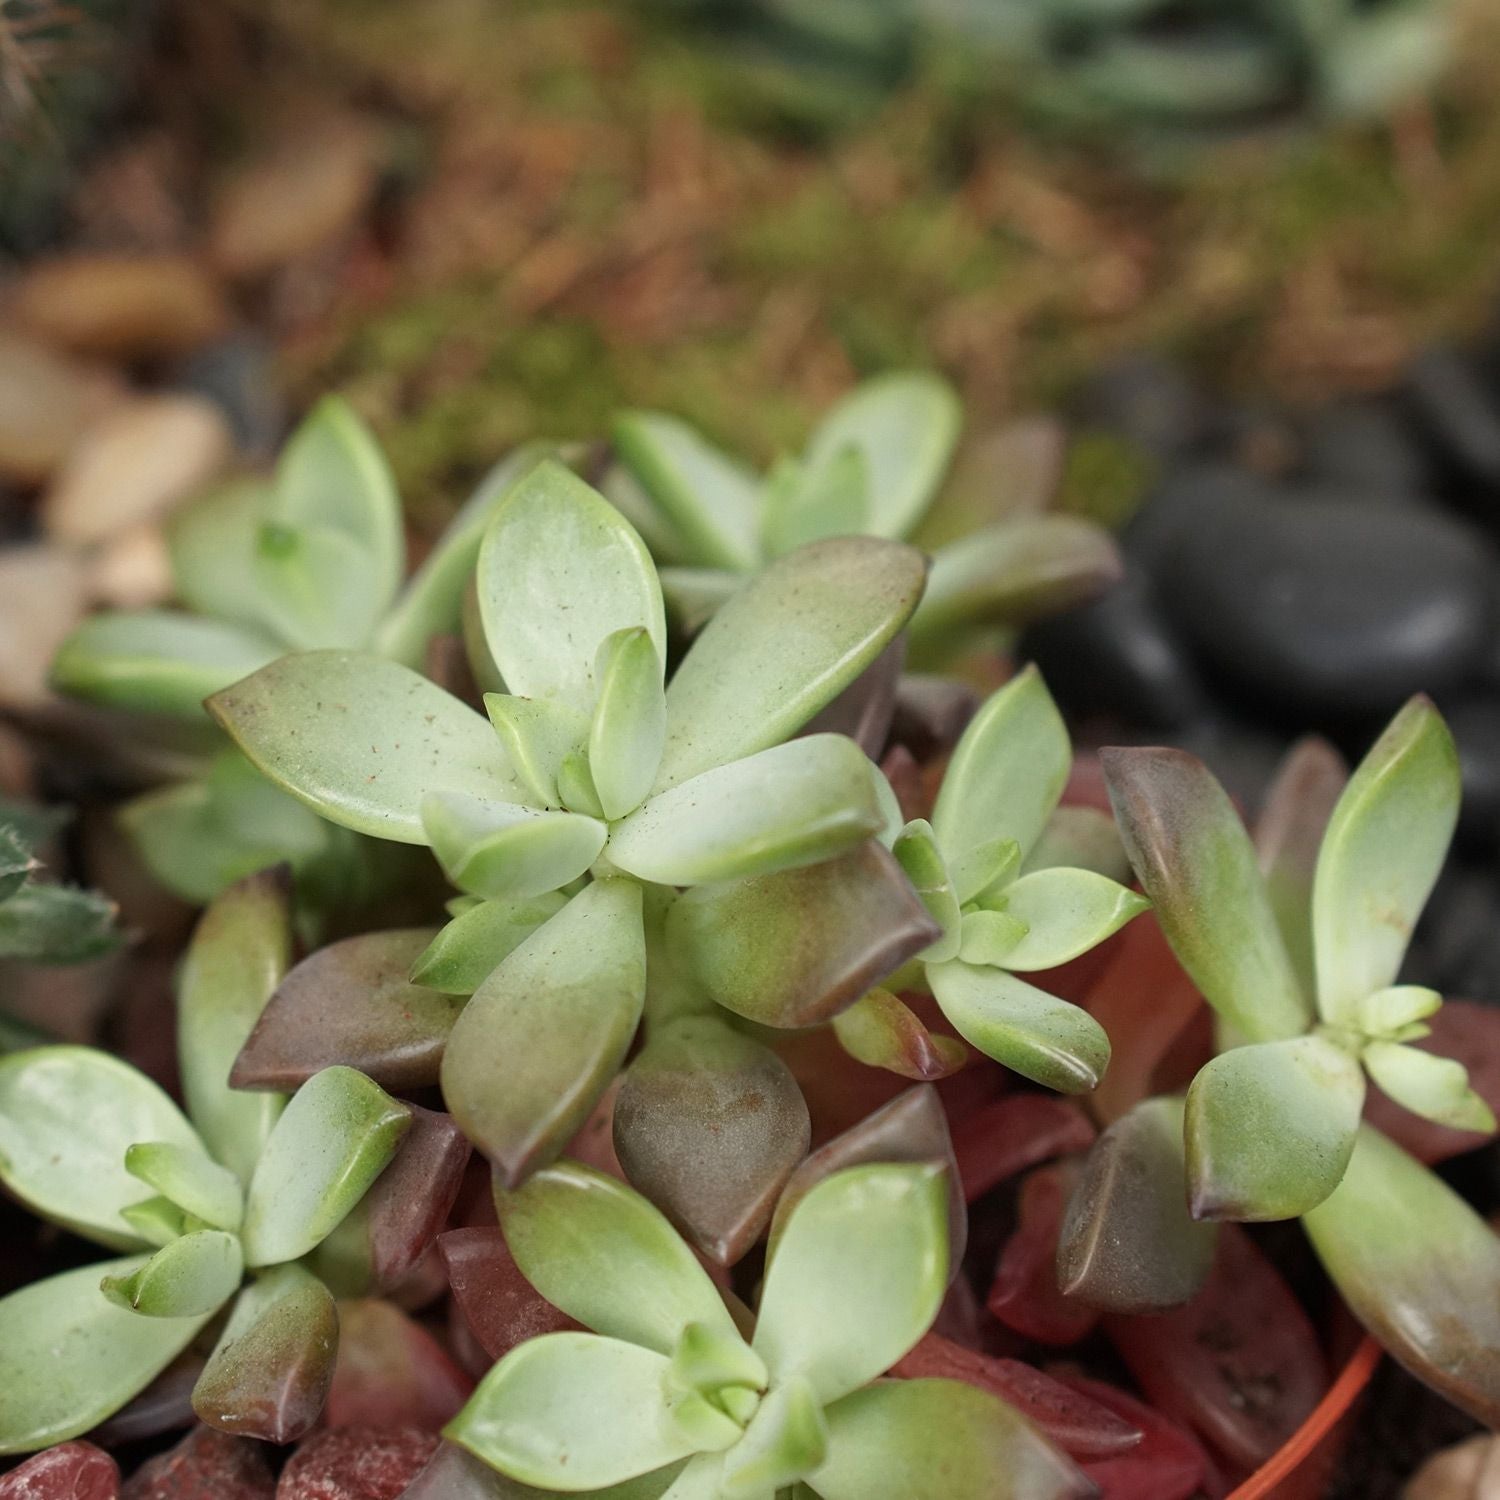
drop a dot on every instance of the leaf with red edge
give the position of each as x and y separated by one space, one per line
1167 1465
1025 1295
1081 1427
1240 1364
70 1471
1012 1134
500 1305
881 1032
391 1371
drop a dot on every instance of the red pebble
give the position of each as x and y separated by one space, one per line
1080 1427
501 1306
1013 1134
1025 1295
391 1371
356 1463
71 1471
1168 1464
206 1465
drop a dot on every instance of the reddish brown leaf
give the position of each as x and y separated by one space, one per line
1013 1134
1025 1295
391 1371
501 1306
1167 1465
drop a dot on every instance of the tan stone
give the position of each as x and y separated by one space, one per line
46 402
1468 1471
133 570
41 600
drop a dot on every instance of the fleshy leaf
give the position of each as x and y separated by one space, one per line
538 734
785 1439
989 938
1048 1040
718 1187
921 860
938 1440
211 542
630 722
1128 1243
1270 1128
904 427
238 956
1389 1011
801 506
192 1277
190 1180
504 851
1437 1088
1066 912
351 1003
795 948
67 1116
315 586
784 647
1080 838
561 570
882 1032
1197 865
271 1369
710 501
602 1254
56 924
69 1357
795 804
1007 773
567 1001
362 740
157 661
157 1221
572 1411
333 1140
468 950
859 1273
1385 844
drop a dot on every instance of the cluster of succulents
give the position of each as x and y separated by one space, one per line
668 865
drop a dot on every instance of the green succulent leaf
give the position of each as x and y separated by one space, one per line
917 853
362 740
314 584
69 1357
189 1179
333 1140
599 1251
1197 865
506 852
1065 913
572 1412
67 1116
706 1361
333 475
1389 1011
708 499
1006 776
157 1221
793 805
904 428
630 722
989 938
880 1031
1080 838
561 570
55 924
837 1316
938 1440
1270 1128
785 1439
212 546
784 647
568 1001
156 660
1437 1088
192 1277
1385 844
239 954
1048 1040
475 943
803 505
539 734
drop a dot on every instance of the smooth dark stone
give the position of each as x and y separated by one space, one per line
1327 612
1476 729
1114 657
1367 447
1188 501
1459 410
238 375
1149 400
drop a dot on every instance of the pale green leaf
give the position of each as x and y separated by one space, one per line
1048 1040
921 860
1385 844
599 1251
56 924
69 1357
1270 1128
1079 838
572 1412
989 938
157 661
333 1140
793 805
561 570
630 722
212 543
859 1273
67 1116
785 1439
1007 773
362 740
1065 913
314 584
1391 1010
465 953
192 1277
190 1180
694 595
157 1221
538 735
804 505
504 851
784 647
707 1360
1437 1088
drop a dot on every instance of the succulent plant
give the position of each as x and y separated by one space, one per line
1297 946
42 923
678 1393
571 820
873 466
244 1184
313 558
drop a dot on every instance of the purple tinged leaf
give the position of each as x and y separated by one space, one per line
351 1003
881 1032
795 948
718 1185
